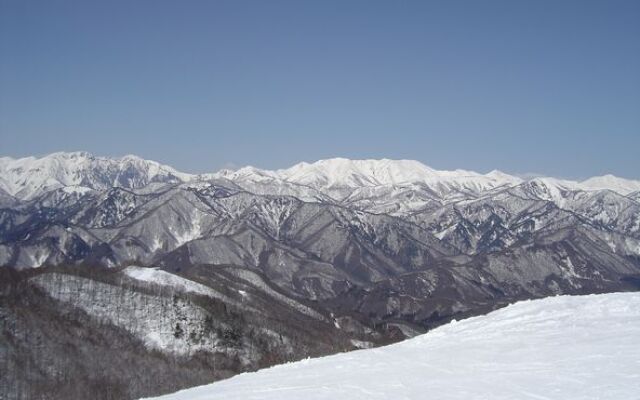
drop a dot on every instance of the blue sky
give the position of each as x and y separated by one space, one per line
551 87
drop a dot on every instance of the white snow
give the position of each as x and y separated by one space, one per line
571 269
333 176
193 230
610 182
337 173
345 172
582 347
75 189
150 318
606 182
30 176
552 189
163 278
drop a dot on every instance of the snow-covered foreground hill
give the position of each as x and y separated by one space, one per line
568 347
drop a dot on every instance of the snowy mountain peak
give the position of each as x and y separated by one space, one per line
30 176
337 172
610 182
605 182
71 154
497 174
27 177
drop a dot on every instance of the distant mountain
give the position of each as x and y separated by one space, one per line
28 177
338 177
610 182
372 250
338 172
332 175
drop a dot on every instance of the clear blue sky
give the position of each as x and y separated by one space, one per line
524 86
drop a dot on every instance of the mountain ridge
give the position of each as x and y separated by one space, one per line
28 177
337 249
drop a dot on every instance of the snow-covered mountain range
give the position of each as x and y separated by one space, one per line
343 253
358 221
27 177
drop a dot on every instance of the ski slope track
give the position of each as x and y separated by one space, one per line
565 347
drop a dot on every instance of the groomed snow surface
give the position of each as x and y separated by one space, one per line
568 347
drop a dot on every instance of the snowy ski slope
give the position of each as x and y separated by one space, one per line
568 347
